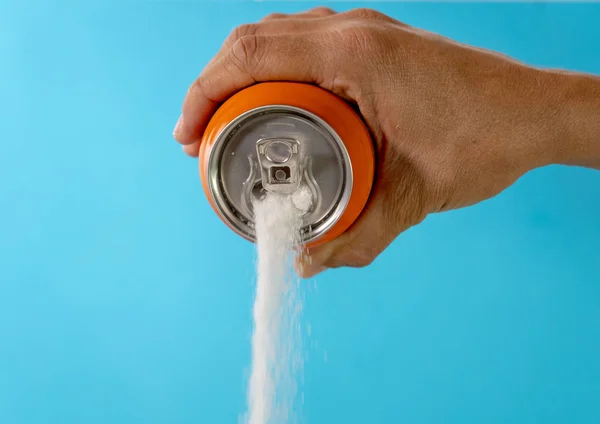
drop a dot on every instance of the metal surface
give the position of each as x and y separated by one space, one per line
280 164
281 149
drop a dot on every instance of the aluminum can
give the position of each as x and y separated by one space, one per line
282 137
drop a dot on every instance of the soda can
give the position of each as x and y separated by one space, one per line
282 137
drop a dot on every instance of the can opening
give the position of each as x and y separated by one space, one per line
258 191
280 175
284 150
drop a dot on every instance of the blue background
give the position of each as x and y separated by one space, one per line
123 299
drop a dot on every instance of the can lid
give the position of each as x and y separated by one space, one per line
288 138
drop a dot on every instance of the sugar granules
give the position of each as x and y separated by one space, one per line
276 340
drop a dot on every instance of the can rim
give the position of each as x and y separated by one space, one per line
346 122
237 221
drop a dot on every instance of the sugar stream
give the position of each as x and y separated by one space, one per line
276 341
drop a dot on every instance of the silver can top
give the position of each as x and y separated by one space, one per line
281 149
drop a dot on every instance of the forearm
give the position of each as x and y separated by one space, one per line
574 134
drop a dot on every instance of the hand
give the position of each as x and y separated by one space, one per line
453 125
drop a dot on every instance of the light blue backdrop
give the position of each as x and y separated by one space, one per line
123 299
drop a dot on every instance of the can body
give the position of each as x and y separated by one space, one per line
284 137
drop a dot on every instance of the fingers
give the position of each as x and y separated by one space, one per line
252 58
238 50
357 247
192 150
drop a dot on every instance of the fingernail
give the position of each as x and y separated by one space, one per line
178 126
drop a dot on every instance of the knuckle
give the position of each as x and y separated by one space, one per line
323 11
244 30
273 16
203 85
243 54
239 32
360 39
367 14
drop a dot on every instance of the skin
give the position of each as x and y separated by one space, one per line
453 125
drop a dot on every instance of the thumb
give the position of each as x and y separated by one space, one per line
396 204
357 247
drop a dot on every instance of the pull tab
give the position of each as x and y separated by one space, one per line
280 166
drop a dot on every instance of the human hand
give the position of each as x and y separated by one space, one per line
453 125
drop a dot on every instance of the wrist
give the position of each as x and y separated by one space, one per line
572 102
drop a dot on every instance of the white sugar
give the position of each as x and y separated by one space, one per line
302 199
276 347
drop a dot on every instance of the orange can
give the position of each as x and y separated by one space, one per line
282 137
